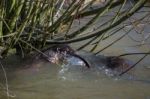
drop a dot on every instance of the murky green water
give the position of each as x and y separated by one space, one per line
43 80
47 81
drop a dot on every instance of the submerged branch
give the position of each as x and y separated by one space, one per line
135 63
6 81
126 54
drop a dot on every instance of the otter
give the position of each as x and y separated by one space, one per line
59 53
114 64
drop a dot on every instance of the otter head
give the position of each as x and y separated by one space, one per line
63 49
57 53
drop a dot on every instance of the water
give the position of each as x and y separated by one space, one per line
42 80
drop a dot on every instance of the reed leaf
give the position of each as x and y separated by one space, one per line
124 17
29 25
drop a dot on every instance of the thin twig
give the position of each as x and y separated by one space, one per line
125 54
6 80
113 42
133 65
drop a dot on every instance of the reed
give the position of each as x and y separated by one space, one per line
26 25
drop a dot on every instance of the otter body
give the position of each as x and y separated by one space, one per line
112 64
61 53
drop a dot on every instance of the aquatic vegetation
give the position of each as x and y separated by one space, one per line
27 25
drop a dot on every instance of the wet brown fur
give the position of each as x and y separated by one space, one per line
112 62
63 48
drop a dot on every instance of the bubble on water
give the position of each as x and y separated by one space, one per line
109 72
63 77
63 69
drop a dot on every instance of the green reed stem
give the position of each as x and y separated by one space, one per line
135 8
